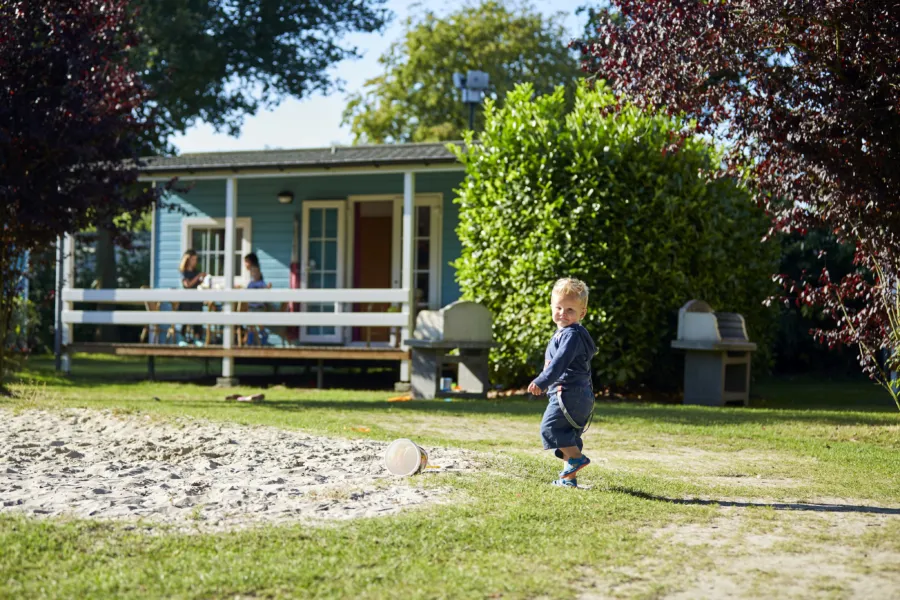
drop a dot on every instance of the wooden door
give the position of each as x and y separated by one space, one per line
372 260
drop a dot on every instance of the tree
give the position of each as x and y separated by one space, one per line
69 128
415 100
220 61
595 192
807 94
796 351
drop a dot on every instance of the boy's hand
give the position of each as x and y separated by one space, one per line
533 389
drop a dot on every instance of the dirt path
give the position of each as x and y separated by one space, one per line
757 547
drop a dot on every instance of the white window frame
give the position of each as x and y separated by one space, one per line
436 203
244 244
341 206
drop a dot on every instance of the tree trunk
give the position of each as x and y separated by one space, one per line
10 276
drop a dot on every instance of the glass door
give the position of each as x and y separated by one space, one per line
322 264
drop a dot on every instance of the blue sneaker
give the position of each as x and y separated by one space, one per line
565 483
573 465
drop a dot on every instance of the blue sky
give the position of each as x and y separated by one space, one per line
316 120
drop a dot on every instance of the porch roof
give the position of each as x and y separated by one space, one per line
306 158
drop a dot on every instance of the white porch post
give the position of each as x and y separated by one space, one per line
408 283
153 332
68 283
153 225
230 215
57 308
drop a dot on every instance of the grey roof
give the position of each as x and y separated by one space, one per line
335 156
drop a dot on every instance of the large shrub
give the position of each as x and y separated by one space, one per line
609 194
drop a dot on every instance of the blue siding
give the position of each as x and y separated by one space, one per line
272 224
445 183
204 199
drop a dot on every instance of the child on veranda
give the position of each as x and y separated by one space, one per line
567 380
257 282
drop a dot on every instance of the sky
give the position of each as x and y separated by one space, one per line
315 121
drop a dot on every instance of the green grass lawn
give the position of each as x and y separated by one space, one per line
506 533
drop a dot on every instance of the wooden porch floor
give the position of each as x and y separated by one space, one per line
298 352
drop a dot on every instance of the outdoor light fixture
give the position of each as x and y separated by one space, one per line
285 197
474 85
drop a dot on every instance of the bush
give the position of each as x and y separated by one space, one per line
608 194
796 349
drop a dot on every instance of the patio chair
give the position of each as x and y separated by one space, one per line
151 331
240 334
172 331
214 332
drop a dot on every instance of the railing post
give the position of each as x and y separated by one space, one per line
408 256
68 283
228 330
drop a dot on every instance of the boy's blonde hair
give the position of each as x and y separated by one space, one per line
569 286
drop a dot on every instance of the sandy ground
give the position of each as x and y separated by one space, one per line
196 474
803 551
756 547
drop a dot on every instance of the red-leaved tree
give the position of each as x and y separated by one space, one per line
69 128
806 93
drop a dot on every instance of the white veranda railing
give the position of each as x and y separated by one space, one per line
339 298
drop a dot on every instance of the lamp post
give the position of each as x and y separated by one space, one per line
473 85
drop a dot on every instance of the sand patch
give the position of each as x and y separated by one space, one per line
198 474
827 549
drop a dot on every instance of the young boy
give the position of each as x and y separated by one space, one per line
567 379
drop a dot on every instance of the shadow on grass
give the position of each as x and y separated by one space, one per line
803 506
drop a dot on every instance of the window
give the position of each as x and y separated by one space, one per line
209 243
206 236
323 241
422 273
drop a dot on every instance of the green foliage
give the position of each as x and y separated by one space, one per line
24 322
796 350
613 196
415 101
220 61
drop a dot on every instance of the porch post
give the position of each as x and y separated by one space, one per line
227 378
408 283
153 225
57 311
67 284
153 332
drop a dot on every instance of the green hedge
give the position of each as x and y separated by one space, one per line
600 194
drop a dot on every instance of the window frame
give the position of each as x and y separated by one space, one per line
243 245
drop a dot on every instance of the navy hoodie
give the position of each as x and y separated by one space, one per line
567 360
